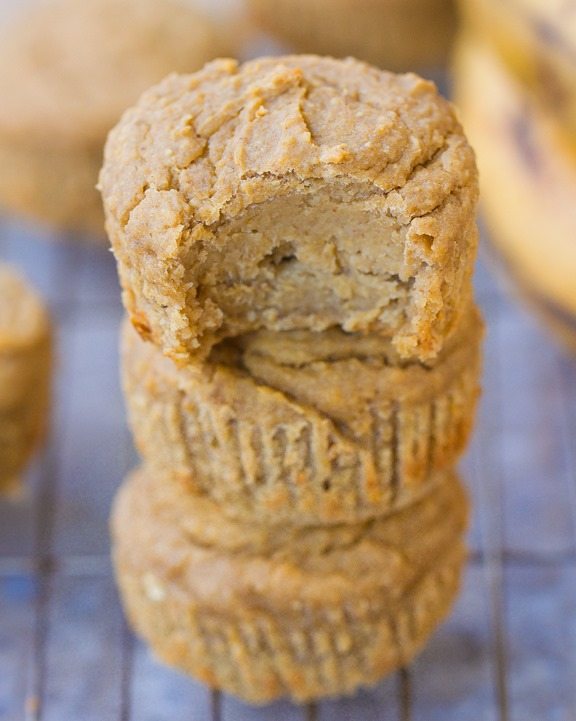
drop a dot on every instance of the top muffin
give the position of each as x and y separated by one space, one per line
291 193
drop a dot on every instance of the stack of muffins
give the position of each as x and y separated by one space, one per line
516 85
295 239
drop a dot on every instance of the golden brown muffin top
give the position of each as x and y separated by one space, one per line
69 68
220 131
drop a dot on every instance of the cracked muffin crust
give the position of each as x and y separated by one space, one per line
392 34
304 613
25 373
68 70
295 193
305 427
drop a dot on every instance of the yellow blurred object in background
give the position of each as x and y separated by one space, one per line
528 182
536 39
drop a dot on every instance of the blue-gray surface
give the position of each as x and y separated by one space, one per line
507 652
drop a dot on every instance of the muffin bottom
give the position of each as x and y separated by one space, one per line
315 656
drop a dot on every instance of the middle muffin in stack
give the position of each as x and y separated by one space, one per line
297 235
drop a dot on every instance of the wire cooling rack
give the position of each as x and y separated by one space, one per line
507 652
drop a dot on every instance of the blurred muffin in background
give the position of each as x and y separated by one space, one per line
393 34
68 69
526 151
25 374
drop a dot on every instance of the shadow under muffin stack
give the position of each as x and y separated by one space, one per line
295 238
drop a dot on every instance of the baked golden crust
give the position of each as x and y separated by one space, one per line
262 612
68 70
25 372
392 34
234 199
305 427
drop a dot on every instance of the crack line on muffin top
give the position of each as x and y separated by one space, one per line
371 185
207 136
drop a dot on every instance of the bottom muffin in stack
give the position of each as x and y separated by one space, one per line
269 611
25 374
